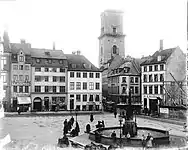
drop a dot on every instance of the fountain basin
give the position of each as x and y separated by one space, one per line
160 137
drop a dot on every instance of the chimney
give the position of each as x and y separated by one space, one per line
53 45
161 45
78 52
22 41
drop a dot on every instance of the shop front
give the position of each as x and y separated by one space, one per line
24 104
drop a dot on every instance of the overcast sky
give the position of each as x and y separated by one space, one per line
75 24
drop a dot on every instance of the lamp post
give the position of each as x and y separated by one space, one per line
76 114
120 121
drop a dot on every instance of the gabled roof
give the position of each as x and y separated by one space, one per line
47 53
80 63
16 47
165 54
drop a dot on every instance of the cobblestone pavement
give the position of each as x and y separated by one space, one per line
38 132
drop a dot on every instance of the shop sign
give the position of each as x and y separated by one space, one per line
164 110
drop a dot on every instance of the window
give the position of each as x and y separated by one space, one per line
145 78
21 58
71 85
150 78
46 69
26 67
114 49
161 77
124 79
91 75
20 89
54 89
132 89
91 98
37 78
62 79
37 60
114 30
161 89
97 98
37 88
54 70
21 78
21 67
83 107
145 68
46 89
54 79
150 68
97 75
156 89
46 78
15 77
84 85
156 78
91 85
161 67
136 90
26 77
72 74
62 88
124 90
97 86
62 70
85 75
15 67
78 75
78 98
136 79
150 89
131 80
26 89
61 61
14 88
84 98
145 90
49 61
78 107
78 85
156 67
37 69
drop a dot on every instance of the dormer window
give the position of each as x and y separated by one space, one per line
21 58
159 58
38 60
61 61
49 61
73 65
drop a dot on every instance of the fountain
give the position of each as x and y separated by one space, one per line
128 126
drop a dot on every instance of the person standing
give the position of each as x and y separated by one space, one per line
115 113
91 118
143 141
149 140
113 136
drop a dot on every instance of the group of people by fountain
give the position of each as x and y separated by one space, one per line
147 141
68 130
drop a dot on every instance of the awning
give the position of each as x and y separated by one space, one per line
24 100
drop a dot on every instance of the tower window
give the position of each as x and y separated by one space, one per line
114 30
114 49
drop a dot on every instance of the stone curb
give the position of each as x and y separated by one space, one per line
63 113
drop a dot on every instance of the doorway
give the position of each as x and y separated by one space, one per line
46 103
71 104
153 106
37 104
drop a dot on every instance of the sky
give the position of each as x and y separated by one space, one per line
75 24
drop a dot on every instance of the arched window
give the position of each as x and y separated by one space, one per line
114 49
101 50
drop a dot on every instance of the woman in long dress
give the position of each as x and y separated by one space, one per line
149 141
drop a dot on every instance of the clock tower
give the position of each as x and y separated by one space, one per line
111 39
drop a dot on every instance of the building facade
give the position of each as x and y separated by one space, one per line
160 73
122 79
84 84
49 75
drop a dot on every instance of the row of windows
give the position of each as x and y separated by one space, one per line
46 78
21 89
78 107
153 68
84 75
49 61
134 90
153 89
21 78
85 97
84 86
132 79
20 67
39 69
50 89
153 78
